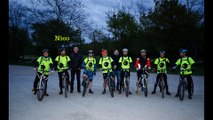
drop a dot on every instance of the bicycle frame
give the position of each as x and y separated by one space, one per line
41 85
86 82
110 82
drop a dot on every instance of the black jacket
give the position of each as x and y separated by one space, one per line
76 61
116 61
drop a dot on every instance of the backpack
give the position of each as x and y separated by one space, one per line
59 58
187 60
42 57
123 58
102 59
159 60
88 60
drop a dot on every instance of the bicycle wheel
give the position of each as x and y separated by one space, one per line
40 90
192 87
65 87
181 90
111 88
84 87
162 84
145 88
127 87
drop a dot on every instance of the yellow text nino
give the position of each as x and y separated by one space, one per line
61 38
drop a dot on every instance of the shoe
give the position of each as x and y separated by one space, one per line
104 91
137 92
46 94
60 92
34 91
117 89
190 97
130 93
168 93
177 95
153 92
90 91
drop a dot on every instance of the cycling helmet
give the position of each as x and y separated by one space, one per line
143 50
90 51
61 49
45 50
125 50
104 52
183 51
162 52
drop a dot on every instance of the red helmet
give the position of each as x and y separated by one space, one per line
103 52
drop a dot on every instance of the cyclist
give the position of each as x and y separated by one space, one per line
162 61
185 62
62 65
89 65
125 63
46 61
116 69
142 62
105 62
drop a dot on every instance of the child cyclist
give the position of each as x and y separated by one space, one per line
125 63
105 64
187 63
89 65
159 63
142 62
62 65
43 63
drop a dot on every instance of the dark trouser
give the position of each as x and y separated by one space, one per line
78 73
37 80
122 78
158 78
189 83
61 79
117 74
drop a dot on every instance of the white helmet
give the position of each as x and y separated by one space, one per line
125 50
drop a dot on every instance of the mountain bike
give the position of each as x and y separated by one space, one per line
125 82
42 85
143 81
161 83
65 83
183 85
85 82
110 82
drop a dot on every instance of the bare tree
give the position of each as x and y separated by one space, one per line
17 15
70 12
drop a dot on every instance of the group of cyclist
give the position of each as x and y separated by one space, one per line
116 65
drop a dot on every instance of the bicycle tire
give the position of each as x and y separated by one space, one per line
162 86
112 87
40 91
127 87
145 89
192 87
181 90
84 88
65 87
